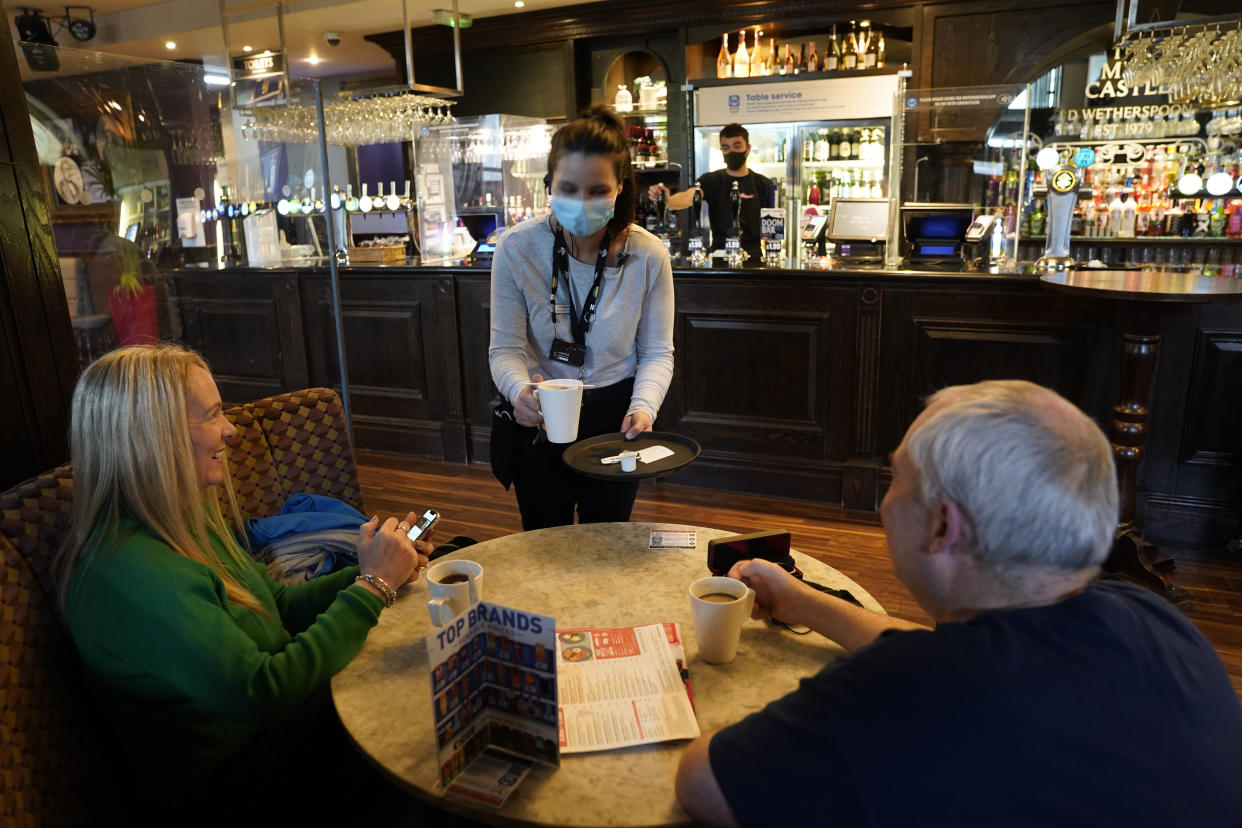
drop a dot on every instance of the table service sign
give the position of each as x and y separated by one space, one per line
493 689
673 539
719 606
622 687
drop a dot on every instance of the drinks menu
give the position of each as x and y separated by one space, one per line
623 687
493 688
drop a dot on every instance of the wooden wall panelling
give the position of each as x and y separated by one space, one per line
249 329
392 341
759 367
38 360
932 339
860 479
479 393
998 41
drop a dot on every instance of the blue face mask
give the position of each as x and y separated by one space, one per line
583 217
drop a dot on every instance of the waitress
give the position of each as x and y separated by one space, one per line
549 320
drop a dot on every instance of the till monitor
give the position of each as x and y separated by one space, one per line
859 219
935 230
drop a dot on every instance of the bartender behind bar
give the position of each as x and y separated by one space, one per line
755 192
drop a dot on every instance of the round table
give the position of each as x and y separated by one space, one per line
588 575
1140 291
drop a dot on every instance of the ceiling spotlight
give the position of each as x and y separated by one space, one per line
247 48
81 28
519 4
313 60
170 44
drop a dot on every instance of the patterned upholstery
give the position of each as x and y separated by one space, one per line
52 766
306 434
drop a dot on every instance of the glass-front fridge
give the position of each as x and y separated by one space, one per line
817 139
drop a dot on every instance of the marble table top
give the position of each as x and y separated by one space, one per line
592 575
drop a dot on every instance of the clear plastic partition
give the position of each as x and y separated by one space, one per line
479 175
152 167
965 145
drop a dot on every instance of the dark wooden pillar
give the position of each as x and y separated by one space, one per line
38 362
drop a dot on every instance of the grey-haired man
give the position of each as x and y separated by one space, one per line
1042 696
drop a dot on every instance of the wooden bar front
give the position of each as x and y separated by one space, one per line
796 383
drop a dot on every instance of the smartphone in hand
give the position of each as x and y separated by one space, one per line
424 524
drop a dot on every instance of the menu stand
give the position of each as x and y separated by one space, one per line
1133 558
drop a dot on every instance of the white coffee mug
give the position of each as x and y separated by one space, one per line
560 400
452 599
718 619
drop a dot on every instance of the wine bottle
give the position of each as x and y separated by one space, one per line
789 67
851 48
741 60
832 54
724 64
879 50
822 153
866 49
801 67
769 65
756 61
812 60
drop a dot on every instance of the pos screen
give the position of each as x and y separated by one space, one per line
859 219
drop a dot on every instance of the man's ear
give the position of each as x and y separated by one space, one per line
949 527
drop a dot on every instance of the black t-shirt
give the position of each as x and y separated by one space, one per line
756 193
1108 708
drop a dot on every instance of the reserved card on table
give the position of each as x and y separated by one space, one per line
673 539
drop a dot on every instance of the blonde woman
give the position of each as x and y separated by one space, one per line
197 658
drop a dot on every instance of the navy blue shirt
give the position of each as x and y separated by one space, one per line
1106 709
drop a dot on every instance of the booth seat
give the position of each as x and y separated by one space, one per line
55 763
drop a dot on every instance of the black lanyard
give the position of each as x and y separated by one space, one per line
560 265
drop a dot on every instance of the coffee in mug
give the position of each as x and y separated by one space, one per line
719 597
454 585
719 607
455 578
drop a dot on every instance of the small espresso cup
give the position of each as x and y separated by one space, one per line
720 606
454 586
560 400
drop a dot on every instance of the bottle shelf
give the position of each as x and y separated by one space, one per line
841 73
1141 240
840 163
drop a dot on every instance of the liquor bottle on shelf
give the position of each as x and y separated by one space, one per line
834 145
808 148
1129 216
780 152
866 45
813 194
880 51
769 64
756 61
724 63
800 60
822 152
850 58
1189 221
812 59
832 53
787 63
741 58
623 101
1216 222
847 146
1233 225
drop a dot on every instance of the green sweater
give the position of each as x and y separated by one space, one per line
187 678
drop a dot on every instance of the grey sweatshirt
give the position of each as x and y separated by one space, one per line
631 334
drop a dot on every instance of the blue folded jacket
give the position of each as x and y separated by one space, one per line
303 513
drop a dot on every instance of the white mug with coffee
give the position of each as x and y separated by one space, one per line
560 400
720 606
454 586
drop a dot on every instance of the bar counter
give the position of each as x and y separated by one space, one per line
796 383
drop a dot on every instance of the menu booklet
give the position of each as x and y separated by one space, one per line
493 689
623 687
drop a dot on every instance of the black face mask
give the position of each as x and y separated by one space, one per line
735 160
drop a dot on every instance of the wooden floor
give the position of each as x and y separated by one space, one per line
472 503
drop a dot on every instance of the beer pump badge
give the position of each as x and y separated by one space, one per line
1064 181
1084 157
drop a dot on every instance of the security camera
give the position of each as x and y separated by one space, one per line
332 38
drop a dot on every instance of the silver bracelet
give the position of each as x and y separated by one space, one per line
390 595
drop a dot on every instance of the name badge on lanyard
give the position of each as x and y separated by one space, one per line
563 351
